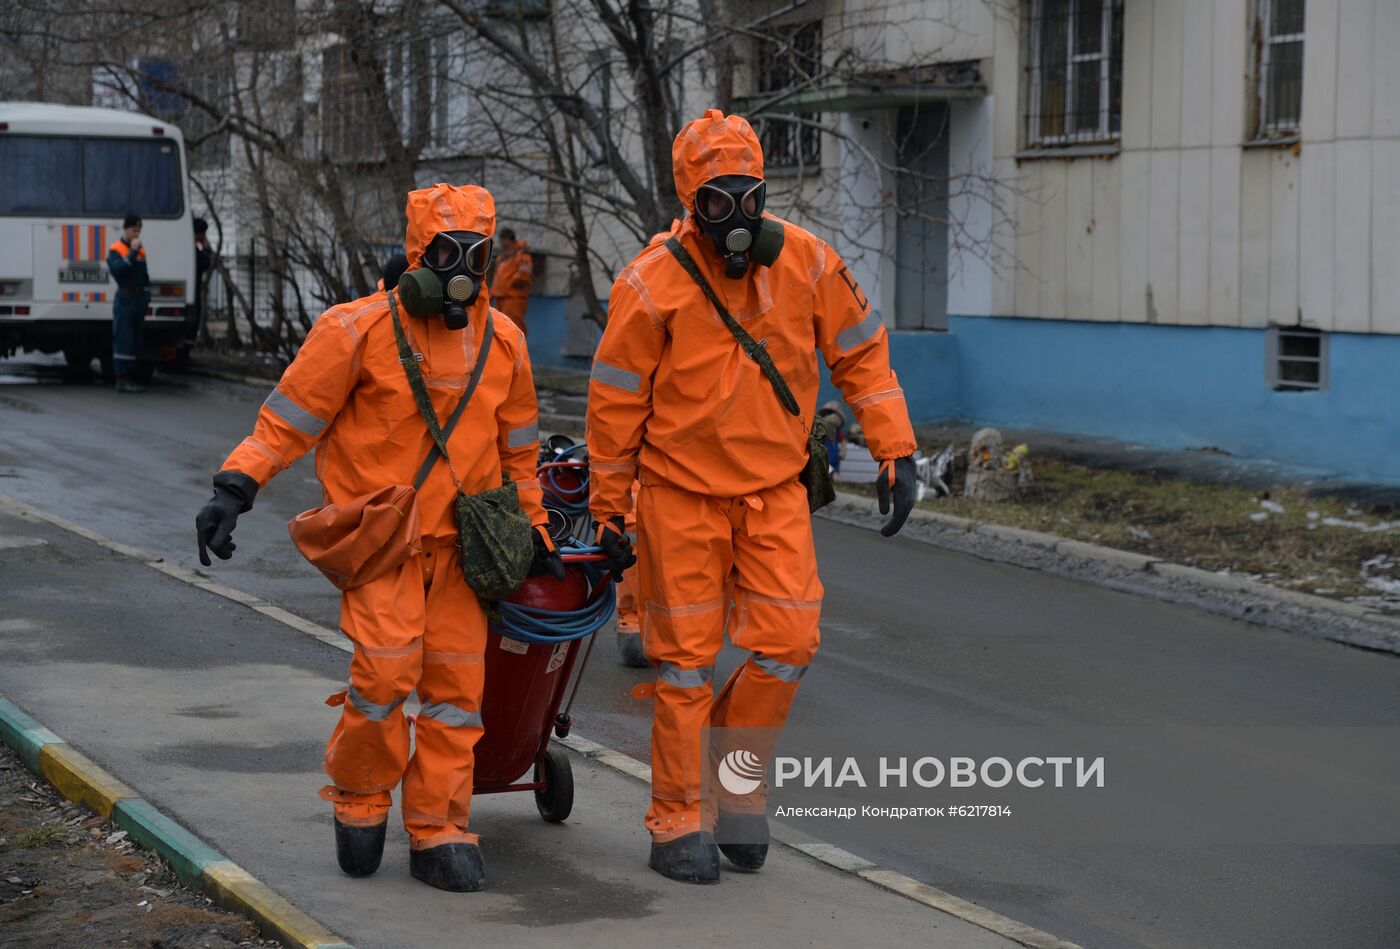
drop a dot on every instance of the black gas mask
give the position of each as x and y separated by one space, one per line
450 280
730 210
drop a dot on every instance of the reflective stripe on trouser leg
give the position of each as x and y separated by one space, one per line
128 318
776 617
369 749
684 559
437 787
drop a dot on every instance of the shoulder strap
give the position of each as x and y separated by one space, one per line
752 348
420 390
435 451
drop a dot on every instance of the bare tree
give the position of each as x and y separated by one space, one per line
308 120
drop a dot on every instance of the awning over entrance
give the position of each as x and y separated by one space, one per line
894 89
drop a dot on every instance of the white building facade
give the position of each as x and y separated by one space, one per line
1194 225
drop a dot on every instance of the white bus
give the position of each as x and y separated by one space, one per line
68 175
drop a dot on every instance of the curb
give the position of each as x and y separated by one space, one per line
1386 639
198 865
259 381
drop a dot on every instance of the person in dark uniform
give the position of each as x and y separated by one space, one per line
126 259
194 313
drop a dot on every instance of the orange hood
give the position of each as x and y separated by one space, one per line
714 144
445 207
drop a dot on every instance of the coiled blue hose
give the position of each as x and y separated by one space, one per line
556 496
529 624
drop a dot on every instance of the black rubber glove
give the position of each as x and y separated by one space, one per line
547 559
617 547
898 476
233 495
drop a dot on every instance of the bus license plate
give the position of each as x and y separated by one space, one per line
82 272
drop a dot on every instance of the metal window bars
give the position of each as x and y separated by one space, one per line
1278 43
1074 62
788 57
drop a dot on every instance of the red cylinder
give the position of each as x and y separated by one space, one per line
524 685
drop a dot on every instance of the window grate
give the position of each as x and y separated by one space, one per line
790 57
1074 69
345 107
1278 79
1297 359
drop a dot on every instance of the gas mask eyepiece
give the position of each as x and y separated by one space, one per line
730 210
450 280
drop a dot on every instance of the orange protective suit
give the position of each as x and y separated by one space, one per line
727 535
418 627
510 287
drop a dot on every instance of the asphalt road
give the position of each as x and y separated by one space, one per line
912 635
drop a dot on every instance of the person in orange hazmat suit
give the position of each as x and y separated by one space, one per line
417 627
515 274
727 538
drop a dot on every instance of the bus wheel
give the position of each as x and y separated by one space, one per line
79 360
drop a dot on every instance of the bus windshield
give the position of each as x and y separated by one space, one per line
63 175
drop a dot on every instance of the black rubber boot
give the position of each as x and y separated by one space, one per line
457 868
748 839
693 858
359 849
629 649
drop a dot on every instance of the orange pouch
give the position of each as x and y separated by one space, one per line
364 538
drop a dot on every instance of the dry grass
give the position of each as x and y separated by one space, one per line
1211 526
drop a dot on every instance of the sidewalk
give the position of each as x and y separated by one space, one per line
214 713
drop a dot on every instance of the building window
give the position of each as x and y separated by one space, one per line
208 138
417 76
345 108
1297 359
1278 68
790 60
597 92
1075 71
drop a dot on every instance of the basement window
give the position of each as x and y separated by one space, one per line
1297 359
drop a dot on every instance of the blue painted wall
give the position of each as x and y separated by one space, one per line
1169 387
545 318
929 372
1183 387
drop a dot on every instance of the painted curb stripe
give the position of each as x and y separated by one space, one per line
187 854
26 736
234 888
198 865
77 778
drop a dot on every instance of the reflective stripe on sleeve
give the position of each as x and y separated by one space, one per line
862 331
520 437
673 674
453 716
372 710
779 670
613 376
294 415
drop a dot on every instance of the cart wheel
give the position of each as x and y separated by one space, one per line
556 801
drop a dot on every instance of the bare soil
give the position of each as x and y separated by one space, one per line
70 878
